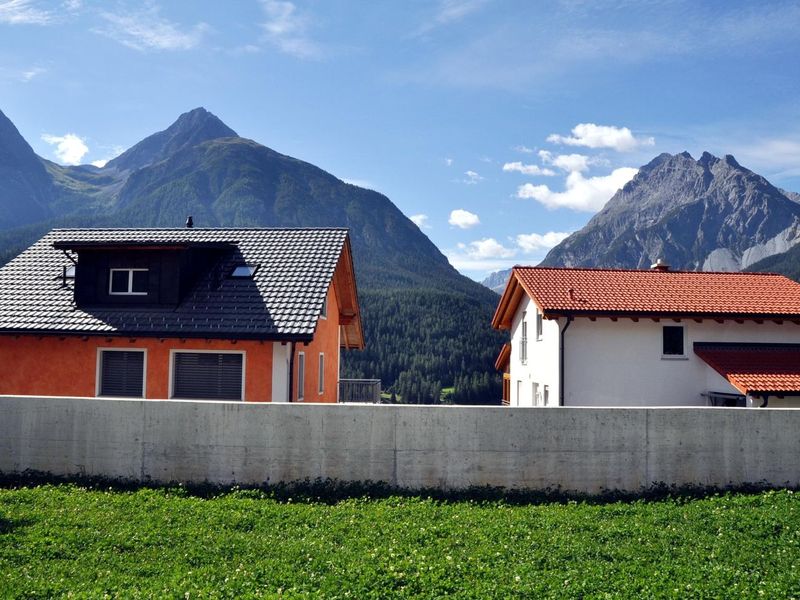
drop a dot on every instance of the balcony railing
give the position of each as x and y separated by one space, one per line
360 390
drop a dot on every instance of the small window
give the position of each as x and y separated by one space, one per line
244 271
301 376
321 385
121 373
128 282
323 314
69 272
523 345
546 395
539 325
673 340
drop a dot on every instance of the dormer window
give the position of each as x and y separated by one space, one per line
128 282
244 271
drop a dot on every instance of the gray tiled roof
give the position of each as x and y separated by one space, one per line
282 301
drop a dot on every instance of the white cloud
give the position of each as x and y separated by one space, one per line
146 29
450 11
582 194
486 248
534 242
23 12
287 29
472 177
774 157
32 73
69 148
463 219
523 149
420 221
568 162
601 136
448 162
527 169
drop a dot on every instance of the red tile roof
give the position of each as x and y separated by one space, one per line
755 368
671 292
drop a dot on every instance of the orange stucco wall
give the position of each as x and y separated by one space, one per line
326 340
67 366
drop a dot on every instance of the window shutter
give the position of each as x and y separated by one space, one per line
207 376
122 373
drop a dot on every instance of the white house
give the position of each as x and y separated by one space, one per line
613 337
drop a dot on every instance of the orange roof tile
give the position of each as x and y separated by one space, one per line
755 368
671 292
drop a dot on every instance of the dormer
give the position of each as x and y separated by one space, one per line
139 274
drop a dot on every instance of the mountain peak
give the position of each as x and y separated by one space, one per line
191 128
708 214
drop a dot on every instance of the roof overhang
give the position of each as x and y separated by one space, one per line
172 335
504 358
755 369
344 283
509 301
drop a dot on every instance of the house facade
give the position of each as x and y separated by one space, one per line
211 314
603 337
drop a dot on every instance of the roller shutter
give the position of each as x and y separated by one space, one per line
122 373
207 376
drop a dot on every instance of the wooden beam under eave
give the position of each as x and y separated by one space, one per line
635 319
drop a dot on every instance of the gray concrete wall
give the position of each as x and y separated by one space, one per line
578 449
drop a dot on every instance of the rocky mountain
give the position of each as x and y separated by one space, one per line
497 281
705 214
198 166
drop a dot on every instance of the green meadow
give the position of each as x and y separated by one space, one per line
69 540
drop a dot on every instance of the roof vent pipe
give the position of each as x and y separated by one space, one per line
189 222
660 265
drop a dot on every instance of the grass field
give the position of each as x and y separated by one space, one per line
62 540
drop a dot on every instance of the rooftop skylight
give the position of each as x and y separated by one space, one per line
244 271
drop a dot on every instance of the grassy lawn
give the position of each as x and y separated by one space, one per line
62 540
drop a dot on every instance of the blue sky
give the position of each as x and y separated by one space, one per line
498 126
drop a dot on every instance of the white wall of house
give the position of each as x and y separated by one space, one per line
620 363
537 376
280 372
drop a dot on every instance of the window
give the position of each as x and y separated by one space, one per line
128 282
523 345
69 272
120 373
323 314
535 392
672 343
538 324
546 394
321 386
244 271
301 376
208 375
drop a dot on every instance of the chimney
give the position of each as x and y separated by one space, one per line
189 222
660 265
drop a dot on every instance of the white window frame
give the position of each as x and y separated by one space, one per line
546 395
172 353
99 364
130 291
523 345
321 374
323 313
301 381
683 356
539 325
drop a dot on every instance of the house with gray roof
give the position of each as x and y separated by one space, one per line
212 314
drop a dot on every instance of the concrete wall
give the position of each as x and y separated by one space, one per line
581 449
